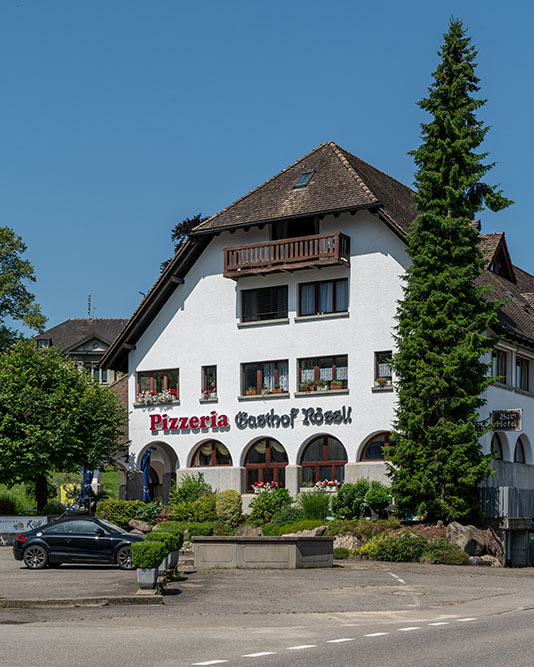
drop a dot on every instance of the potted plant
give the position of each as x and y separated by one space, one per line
322 385
265 389
336 384
147 557
251 391
168 540
383 382
309 385
278 389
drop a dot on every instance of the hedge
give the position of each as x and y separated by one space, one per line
119 512
148 554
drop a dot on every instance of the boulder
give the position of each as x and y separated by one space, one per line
347 541
468 538
492 560
494 545
249 531
134 531
478 560
311 532
143 526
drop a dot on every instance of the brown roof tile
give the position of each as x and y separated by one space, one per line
73 331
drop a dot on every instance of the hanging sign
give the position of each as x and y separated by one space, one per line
507 420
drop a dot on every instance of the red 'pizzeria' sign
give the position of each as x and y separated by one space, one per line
166 423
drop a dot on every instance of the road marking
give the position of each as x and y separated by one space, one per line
338 641
377 634
298 648
463 620
210 662
413 627
440 623
258 655
401 581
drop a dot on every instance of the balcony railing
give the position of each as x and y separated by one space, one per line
303 252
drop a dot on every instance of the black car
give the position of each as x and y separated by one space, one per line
80 540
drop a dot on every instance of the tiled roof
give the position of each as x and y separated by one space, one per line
67 334
489 244
341 182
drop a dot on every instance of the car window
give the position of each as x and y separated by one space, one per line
54 528
81 527
111 527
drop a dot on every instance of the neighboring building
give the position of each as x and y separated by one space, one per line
261 353
85 341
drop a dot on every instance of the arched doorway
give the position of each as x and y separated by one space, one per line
265 462
323 458
163 466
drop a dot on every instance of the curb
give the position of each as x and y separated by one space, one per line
103 601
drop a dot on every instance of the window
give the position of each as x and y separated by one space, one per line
43 342
330 372
383 369
264 377
330 296
157 382
521 373
291 229
209 381
212 453
303 180
496 447
519 454
265 303
265 462
498 365
374 449
100 375
323 459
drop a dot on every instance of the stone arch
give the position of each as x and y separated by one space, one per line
522 450
163 466
507 453
264 460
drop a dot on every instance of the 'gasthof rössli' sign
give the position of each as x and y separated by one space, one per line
243 420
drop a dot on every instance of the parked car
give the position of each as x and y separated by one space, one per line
79 540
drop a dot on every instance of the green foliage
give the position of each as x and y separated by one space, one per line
16 302
111 481
190 488
350 499
52 417
171 525
19 494
340 553
229 507
148 511
304 524
148 554
400 547
441 551
267 503
287 515
118 512
435 460
172 539
53 508
8 504
204 509
314 504
363 529
378 497
182 511
196 529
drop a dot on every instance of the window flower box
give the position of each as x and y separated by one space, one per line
330 486
251 391
153 398
259 487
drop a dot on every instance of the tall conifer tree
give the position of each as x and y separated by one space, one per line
435 461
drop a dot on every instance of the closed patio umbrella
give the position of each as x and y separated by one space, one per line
145 467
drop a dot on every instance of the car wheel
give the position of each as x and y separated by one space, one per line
35 557
124 558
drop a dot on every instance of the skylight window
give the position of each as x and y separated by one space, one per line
304 179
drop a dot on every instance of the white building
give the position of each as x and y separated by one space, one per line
261 352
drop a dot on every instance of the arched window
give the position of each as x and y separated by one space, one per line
374 448
211 453
265 462
519 454
496 447
323 458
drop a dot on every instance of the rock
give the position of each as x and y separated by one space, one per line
468 538
312 532
492 560
249 531
347 541
494 545
439 524
143 526
478 560
135 531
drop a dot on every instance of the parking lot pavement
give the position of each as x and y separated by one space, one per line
66 582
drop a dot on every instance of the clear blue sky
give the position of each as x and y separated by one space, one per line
121 117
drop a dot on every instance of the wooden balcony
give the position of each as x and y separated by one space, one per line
304 252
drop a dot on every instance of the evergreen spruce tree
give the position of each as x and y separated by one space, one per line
435 461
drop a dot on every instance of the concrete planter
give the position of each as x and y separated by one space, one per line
147 577
163 565
173 559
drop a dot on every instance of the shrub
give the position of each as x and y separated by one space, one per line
350 499
341 553
286 515
203 509
118 511
182 511
195 529
148 554
19 495
220 528
266 504
53 508
171 525
229 507
400 547
315 505
8 504
189 489
304 524
441 551
148 511
172 539
363 529
378 497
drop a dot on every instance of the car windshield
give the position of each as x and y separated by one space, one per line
111 526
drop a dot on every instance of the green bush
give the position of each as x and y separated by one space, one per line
148 554
189 489
350 500
18 494
400 547
182 511
340 553
363 529
204 509
148 511
118 511
229 507
8 504
378 497
195 529
53 508
441 551
171 525
305 524
315 504
172 539
286 515
267 503
221 529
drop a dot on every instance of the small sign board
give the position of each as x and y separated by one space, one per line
20 524
507 420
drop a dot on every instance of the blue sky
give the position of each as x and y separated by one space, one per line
121 117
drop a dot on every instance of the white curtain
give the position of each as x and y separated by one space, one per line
283 376
342 295
268 376
307 295
326 297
